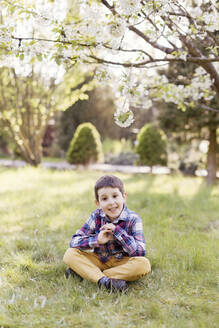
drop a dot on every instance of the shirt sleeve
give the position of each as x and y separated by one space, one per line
134 243
86 237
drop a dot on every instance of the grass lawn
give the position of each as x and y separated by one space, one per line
41 209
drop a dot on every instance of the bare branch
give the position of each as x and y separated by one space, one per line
143 63
129 50
111 8
205 107
156 45
53 41
138 32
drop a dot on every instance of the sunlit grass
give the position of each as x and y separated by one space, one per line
39 211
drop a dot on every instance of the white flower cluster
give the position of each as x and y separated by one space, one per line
98 27
147 103
201 85
117 28
51 10
196 12
211 19
102 74
94 24
123 116
199 88
129 7
5 36
205 20
161 6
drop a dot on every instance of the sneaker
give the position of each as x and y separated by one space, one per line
71 272
114 285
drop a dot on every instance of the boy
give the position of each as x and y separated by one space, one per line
109 249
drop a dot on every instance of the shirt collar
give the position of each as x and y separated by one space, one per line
123 215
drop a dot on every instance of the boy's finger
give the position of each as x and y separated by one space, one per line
108 232
103 227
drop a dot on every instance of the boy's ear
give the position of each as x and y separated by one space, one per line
125 196
96 202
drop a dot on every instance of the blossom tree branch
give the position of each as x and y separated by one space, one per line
99 32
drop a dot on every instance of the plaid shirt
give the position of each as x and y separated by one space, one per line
128 236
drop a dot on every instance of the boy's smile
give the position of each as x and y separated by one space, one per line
111 201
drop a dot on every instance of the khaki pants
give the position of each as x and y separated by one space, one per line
89 267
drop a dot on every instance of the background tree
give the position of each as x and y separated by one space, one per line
162 32
178 32
193 123
151 146
4 141
189 125
27 103
85 146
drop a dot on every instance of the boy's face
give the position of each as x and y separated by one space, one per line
111 201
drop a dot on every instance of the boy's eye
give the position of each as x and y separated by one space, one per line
104 198
115 196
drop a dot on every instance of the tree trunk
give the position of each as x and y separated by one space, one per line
30 152
211 157
32 159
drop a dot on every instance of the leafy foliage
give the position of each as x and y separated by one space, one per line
185 126
85 146
151 146
29 102
146 33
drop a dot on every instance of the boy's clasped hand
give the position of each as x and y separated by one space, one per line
106 233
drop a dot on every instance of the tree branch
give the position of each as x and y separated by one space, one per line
143 63
138 32
54 41
207 65
111 8
156 45
129 50
205 107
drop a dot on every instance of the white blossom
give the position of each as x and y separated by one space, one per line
183 55
117 28
196 12
123 116
211 19
102 74
99 28
129 7
147 103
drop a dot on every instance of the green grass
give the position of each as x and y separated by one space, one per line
41 209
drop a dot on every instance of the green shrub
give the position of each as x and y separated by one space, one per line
151 146
85 146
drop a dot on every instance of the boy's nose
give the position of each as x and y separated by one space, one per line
111 200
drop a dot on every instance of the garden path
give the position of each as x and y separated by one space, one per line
99 167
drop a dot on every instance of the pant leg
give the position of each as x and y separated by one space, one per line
87 265
129 268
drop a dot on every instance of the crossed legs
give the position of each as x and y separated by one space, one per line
89 267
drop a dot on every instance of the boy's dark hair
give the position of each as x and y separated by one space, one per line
108 181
